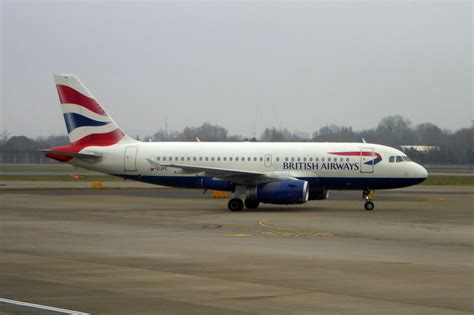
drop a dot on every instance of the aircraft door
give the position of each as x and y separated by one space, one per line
367 160
268 160
130 159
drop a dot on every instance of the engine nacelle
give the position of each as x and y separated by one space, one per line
283 192
318 194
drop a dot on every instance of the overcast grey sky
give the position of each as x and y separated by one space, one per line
242 65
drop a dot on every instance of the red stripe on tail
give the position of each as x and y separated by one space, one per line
98 139
70 96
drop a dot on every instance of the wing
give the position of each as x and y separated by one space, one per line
233 175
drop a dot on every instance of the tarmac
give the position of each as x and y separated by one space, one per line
141 250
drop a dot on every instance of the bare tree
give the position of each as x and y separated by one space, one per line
4 136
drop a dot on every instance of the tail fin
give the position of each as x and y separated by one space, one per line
87 122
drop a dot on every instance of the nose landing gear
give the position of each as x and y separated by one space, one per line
369 196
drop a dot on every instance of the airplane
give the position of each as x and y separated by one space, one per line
253 172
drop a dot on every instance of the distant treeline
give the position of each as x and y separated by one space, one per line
455 147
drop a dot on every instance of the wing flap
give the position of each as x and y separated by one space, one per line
209 170
233 175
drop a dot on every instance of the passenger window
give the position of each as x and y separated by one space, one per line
391 159
322 159
399 159
194 158
164 158
311 159
182 158
249 159
341 160
207 159
237 159
158 158
225 159
255 159
189 159
176 158
212 159
292 159
242 160
200 158
218 158
329 159
171 158
278 159
298 159
347 159
316 159
230 159
304 159
261 159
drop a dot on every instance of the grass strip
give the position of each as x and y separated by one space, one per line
447 180
59 178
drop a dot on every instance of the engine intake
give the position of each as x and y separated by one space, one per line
283 192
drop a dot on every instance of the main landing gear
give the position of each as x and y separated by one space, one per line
236 204
251 203
369 196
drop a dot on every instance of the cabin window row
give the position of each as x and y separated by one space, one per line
317 159
250 159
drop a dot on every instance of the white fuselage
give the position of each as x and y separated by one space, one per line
315 162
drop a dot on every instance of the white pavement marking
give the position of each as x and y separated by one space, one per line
43 307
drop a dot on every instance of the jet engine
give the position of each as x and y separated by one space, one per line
282 192
318 194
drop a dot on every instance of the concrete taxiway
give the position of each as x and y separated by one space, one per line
168 251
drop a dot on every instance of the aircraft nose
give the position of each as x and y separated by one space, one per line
421 172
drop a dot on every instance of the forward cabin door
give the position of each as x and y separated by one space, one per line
367 159
130 159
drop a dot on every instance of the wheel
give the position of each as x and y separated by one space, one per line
369 206
251 204
235 204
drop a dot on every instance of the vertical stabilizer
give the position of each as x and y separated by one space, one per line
87 122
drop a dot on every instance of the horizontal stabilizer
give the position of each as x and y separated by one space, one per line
73 154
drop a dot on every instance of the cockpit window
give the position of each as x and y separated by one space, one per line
406 158
391 159
399 158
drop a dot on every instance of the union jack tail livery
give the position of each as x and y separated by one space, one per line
87 122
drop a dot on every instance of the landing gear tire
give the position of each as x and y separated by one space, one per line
251 204
368 195
369 206
235 204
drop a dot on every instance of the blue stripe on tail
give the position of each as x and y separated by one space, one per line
74 120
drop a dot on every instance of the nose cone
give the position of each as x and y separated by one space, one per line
421 172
